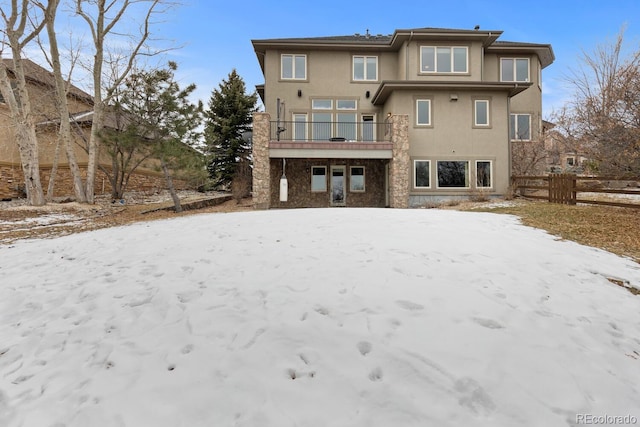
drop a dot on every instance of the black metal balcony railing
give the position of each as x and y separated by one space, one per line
365 131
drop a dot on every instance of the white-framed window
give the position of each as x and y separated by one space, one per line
300 127
293 66
318 179
444 59
453 173
520 127
356 179
339 123
423 112
483 174
365 68
481 112
514 69
346 126
346 104
368 128
422 174
322 104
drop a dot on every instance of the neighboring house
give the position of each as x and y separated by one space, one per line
563 156
393 120
41 87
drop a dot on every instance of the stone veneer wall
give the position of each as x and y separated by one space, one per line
400 165
298 173
261 169
11 182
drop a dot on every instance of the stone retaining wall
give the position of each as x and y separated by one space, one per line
11 182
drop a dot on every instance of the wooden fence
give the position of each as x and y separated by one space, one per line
567 188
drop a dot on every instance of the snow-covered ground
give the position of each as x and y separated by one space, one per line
327 317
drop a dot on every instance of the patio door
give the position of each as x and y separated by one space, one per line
337 186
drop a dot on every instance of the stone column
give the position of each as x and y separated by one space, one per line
399 167
261 168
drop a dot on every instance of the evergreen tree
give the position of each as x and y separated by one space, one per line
165 121
228 117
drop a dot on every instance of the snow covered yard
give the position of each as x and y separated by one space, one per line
328 317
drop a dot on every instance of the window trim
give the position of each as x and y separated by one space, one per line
304 123
364 127
324 168
333 124
515 69
467 177
415 175
364 174
475 113
490 186
417 122
354 108
366 78
435 60
515 132
293 66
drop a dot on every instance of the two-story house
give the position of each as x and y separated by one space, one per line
393 120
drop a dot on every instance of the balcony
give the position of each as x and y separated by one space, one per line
302 139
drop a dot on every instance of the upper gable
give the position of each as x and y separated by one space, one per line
416 54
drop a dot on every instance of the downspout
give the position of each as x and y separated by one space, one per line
406 55
482 62
510 145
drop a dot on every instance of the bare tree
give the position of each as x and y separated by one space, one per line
22 25
528 157
102 17
529 150
65 138
604 115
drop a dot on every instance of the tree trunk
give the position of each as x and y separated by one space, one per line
94 144
28 146
61 100
172 190
54 171
25 131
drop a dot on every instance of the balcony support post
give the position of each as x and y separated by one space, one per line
399 166
261 161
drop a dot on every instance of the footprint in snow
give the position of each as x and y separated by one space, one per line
409 305
488 323
364 347
375 375
473 396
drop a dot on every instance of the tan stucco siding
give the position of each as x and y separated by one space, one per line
453 136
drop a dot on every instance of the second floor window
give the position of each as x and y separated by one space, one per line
331 122
481 112
293 67
514 69
423 112
365 68
520 127
443 59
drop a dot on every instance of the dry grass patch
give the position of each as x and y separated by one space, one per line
616 230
